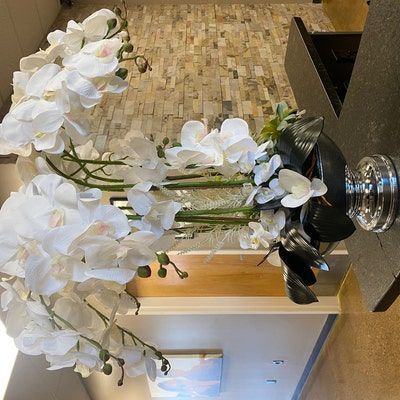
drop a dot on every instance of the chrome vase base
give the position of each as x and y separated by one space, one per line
372 193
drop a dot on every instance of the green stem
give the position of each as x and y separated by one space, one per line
54 315
172 186
134 338
89 173
189 176
110 188
206 220
88 161
215 211
201 213
215 220
207 184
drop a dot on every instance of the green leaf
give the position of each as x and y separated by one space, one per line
280 110
282 126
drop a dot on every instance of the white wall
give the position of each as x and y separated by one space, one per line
23 26
249 344
9 181
30 380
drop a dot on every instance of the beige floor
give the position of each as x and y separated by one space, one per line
361 360
211 61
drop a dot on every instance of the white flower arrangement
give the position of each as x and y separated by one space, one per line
64 252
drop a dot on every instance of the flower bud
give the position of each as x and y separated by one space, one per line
160 153
184 275
117 11
107 369
163 258
128 47
122 73
142 68
164 368
144 271
162 272
165 141
104 355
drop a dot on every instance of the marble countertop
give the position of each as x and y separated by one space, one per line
368 123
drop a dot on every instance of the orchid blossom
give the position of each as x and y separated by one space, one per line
300 188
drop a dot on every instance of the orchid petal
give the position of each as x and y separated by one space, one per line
192 133
318 187
119 275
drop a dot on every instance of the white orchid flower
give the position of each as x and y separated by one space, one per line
239 148
74 37
20 80
35 340
107 293
50 271
300 188
20 311
138 361
14 250
141 156
96 221
61 197
78 314
36 85
34 122
157 216
56 41
95 25
160 217
275 186
264 171
137 248
33 62
274 222
140 199
101 257
229 151
133 358
198 147
95 59
248 159
93 29
110 84
88 93
87 151
254 236
260 194
85 360
47 202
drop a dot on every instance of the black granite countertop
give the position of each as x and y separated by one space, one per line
368 123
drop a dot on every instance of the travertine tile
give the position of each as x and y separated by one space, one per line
211 61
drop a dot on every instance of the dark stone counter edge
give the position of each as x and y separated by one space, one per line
319 66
